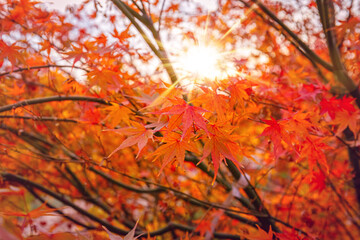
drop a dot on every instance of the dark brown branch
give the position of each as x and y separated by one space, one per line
43 66
266 220
39 118
161 189
125 186
202 166
190 198
53 99
303 45
145 19
179 194
174 226
296 45
160 15
327 16
29 184
35 141
25 182
164 189
59 211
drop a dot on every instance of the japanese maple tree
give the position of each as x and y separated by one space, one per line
155 119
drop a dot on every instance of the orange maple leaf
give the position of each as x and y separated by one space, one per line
347 119
117 114
138 134
16 90
261 234
187 115
77 54
175 146
220 146
276 133
42 210
129 236
313 149
12 53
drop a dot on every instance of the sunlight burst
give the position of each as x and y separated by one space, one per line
201 63
201 60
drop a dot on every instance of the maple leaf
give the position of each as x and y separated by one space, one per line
90 114
174 146
129 236
276 134
203 226
334 105
309 92
313 149
123 35
186 114
318 181
239 92
15 90
138 134
42 210
77 54
299 124
220 146
347 119
102 77
260 234
11 53
293 235
216 102
117 114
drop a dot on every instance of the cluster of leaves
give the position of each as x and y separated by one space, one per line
93 135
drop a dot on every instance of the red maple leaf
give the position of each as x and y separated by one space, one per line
221 145
313 149
318 181
187 115
11 52
261 234
334 105
138 134
174 146
276 134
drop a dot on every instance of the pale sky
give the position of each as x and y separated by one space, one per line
60 4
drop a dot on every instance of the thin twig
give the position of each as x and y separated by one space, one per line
52 99
39 118
160 15
43 66
303 45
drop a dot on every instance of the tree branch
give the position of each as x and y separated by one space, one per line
25 182
52 99
43 66
29 184
327 16
303 45
255 199
58 211
160 52
125 186
39 118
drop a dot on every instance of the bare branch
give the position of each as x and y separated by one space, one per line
43 66
40 118
303 45
52 99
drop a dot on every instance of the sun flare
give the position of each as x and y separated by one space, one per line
201 60
201 63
